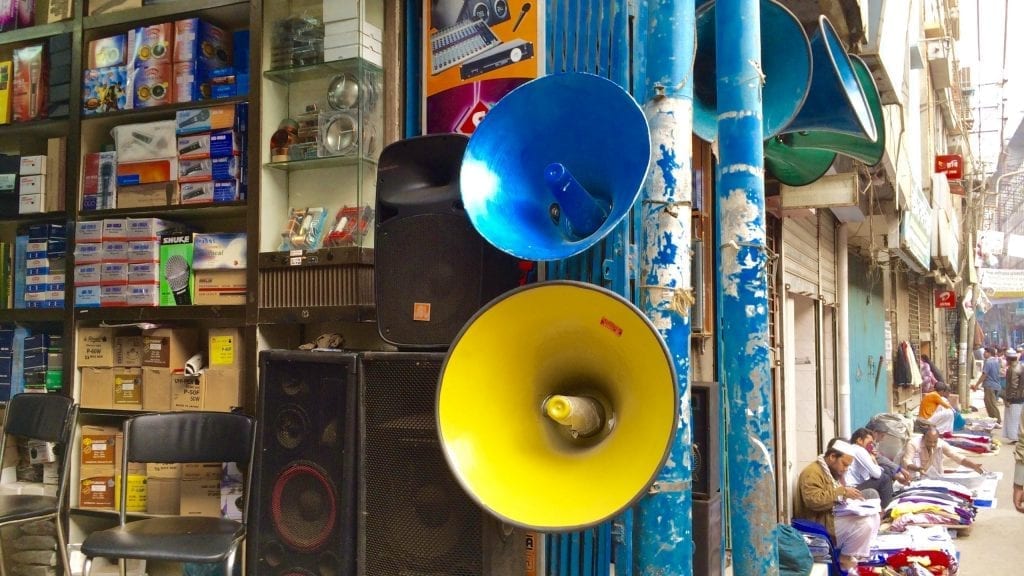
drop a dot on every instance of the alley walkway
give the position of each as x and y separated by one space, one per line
995 546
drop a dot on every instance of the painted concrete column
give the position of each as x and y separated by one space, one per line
743 290
846 427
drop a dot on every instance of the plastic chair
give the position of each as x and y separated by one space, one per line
47 418
178 437
816 529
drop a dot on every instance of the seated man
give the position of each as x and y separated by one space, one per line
820 490
936 409
866 472
926 455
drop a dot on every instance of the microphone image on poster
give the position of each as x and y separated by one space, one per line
177 273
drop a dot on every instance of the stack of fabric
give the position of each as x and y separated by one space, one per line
931 503
977 443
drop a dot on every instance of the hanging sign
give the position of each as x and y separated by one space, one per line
945 299
952 165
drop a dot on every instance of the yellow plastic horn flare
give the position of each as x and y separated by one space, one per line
537 343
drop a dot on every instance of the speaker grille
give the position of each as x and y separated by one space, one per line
328 277
418 520
303 493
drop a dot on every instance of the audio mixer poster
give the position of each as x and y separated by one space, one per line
476 52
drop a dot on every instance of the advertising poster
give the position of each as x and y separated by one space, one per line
476 52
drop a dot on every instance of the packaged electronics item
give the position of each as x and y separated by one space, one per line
6 87
104 90
350 226
99 181
205 119
147 171
8 15
216 144
176 270
203 192
30 81
304 229
110 51
149 85
197 40
151 44
222 250
144 141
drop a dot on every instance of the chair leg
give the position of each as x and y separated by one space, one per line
62 544
86 566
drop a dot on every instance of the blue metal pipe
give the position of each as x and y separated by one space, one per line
743 290
663 520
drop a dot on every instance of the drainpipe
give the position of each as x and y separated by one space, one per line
663 520
742 290
843 349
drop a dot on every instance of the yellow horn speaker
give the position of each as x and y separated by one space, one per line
557 405
555 166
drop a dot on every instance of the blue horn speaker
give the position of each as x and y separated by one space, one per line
836 102
785 62
800 158
555 166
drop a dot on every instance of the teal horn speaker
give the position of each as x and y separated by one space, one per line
555 166
785 61
800 158
836 102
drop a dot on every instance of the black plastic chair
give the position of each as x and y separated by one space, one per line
48 418
178 437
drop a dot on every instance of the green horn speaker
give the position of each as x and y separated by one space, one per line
800 158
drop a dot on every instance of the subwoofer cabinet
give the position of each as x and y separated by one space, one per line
351 478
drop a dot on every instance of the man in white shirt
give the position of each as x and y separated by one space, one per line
865 473
927 455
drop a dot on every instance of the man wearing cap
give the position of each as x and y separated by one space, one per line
1013 395
820 490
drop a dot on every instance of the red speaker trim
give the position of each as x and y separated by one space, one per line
306 545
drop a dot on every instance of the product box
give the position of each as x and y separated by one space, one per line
97 388
135 492
98 445
128 351
144 251
88 231
145 273
169 347
146 228
145 141
87 296
198 40
34 184
104 90
8 15
163 496
110 51
196 120
113 273
28 101
200 498
115 229
114 251
127 388
221 250
30 203
97 492
6 87
89 253
108 6
114 295
176 283
151 44
225 347
216 144
156 390
100 175
143 294
149 85
56 184
146 172
146 195
215 389
32 165
95 347
60 10
205 192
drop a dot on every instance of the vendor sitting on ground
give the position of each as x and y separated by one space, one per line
926 455
936 409
866 472
820 490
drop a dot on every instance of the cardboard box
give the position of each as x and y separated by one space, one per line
220 287
98 446
163 471
176 283
97 492
109 51
146 195
200 498
169 347
111 6
146 172
156 389
56 184
151 44
127 388
136 490
97 388
128 351
150 85
163 495
95 347
145 141
225 348
201 471
216 389
60 10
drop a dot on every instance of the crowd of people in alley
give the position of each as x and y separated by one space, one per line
897 471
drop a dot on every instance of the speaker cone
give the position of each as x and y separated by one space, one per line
304 507
291 427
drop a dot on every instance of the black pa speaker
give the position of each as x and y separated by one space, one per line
432 269
414 517
704 419
301 518
707 536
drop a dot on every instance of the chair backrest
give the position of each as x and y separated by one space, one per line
46 417
180 437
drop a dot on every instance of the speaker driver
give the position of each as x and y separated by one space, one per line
304 507
339 134
291 427
343 92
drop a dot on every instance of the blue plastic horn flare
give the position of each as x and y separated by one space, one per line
555 165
